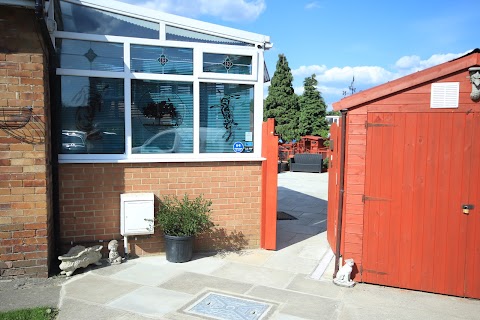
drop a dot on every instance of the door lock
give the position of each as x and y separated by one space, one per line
466 208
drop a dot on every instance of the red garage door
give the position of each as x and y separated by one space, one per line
420 169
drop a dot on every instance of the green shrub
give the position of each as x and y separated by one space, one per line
184 216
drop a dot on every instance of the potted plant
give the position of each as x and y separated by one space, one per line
181 219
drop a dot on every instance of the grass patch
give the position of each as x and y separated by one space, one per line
42 313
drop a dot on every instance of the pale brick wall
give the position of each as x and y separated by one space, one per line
90 201
25 201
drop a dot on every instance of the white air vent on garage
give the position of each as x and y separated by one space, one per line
445 95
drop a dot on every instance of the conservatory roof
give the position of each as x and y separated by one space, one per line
187 24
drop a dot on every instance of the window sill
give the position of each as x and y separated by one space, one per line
220 158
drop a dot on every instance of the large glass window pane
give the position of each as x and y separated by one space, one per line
223 63
90 55
92 114
226 117
163 60
179 34
82 19
162 117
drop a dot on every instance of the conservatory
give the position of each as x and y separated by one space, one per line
137 85
102 99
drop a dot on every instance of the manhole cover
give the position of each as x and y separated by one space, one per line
225 307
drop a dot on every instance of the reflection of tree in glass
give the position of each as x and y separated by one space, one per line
162 109
85 114
227 113
165 108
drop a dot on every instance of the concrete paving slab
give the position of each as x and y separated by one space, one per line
97 289
194 283
146 274
408 300
382 313
29 293
108 270
297 304
282 316
255 275
251 257
305 284
79 310
286 263
151 301
200 264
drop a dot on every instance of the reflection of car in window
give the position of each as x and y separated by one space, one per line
177 141
73 141
163 142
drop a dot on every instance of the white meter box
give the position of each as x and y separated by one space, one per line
137 213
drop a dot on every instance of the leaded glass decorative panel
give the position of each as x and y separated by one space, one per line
90 55
162 117
162 60
93 115
227 63
82 19
226 117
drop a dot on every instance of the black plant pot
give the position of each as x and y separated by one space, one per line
179 249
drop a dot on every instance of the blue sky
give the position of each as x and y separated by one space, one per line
375 41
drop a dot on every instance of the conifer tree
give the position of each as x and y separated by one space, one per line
282 102
312 109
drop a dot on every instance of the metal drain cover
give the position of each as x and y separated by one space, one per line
225 307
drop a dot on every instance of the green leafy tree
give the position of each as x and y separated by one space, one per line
282 102
334 113
312 109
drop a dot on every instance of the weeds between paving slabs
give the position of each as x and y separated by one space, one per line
41 313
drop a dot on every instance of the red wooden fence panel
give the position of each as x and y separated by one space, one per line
333 184
269 186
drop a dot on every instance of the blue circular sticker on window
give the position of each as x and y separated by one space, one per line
238 147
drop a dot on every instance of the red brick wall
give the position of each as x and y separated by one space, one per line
90 201
25 177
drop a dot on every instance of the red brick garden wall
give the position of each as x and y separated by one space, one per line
25 199
90 201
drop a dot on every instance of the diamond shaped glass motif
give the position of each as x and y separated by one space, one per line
227 63
163 60
90 55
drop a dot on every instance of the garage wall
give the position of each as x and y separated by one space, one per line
416 99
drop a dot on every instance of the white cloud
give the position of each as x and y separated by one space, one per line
409 64
307 71
363 74
312 5
228 10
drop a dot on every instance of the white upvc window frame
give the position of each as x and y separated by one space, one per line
197 77
232 76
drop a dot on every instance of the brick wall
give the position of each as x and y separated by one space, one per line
25 207
90 201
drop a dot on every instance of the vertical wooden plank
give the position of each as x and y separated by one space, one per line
472 276
269 186
418 208
406 199
372 189
395 261
455 220
385 196
430 210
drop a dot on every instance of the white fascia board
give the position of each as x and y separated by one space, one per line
178 21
